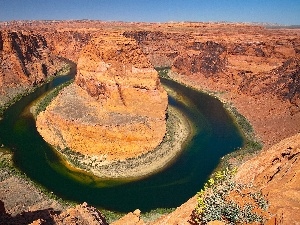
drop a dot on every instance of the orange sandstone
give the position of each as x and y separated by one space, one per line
116 107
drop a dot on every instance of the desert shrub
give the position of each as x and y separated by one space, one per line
163 72
219 200
42 105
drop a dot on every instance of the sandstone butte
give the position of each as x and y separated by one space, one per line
254 68
115 109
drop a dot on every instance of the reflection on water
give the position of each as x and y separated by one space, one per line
215 136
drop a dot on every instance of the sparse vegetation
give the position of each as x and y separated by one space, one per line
251 145
156 213
225 200
17 94
163 72
111 216
7 169
6 164
43 103
13 97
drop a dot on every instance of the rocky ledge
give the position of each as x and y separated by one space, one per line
115 110
25 62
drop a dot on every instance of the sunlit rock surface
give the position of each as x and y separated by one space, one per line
115 109
25 61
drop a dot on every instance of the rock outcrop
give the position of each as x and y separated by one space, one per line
80 214
254 68
132 218
116 109
276 172
25 62
67 43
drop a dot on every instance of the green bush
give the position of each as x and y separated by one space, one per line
41 106
214 201
163 72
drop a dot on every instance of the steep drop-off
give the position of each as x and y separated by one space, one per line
254 68
25 61
116 109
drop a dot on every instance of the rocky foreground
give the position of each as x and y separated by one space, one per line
254 68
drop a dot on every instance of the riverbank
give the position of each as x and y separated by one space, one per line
252 142
179 131
263 118
19 194
12 95
21 199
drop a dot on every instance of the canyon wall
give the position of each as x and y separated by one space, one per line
250 67
253 68
25 61
115 109
67 43
276 172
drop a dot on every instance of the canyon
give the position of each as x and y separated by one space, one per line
253 68
26 61
115 109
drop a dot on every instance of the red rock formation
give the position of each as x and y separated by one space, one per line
276 172
132 218
25 62
80 214
67 43
255 69
116 108
182 215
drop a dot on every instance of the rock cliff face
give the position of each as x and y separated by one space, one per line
116 108
25 62
255 68
67 43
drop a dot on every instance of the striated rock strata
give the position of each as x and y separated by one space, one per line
115 109
254 68
25 61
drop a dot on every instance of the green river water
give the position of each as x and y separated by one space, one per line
215 136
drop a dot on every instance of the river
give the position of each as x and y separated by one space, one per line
215 136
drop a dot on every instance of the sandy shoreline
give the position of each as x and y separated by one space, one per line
178 132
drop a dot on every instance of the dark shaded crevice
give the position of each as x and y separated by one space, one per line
120 94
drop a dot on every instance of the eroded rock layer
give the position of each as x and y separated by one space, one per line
116 107
252 67
25 61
